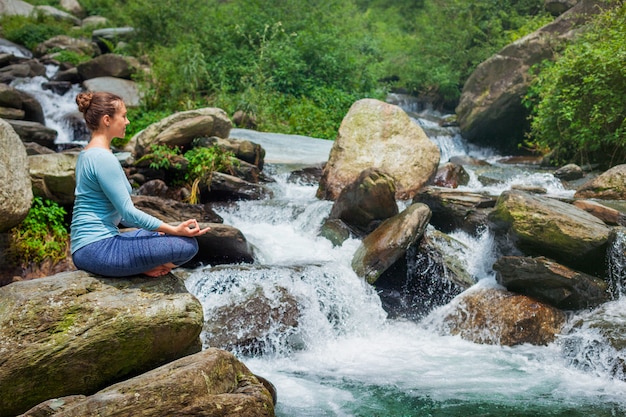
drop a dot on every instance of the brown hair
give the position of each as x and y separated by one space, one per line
94 106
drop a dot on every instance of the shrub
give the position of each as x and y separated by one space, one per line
580 110
41 235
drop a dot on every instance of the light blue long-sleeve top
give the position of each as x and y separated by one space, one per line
102 200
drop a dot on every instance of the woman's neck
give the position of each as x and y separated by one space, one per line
99 141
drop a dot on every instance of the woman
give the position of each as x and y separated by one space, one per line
103 201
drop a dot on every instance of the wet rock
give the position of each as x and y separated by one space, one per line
430 275
223 187
389 242
364 204
380 135
451 175
76 333
223 244
336 231
596 341
550 282
453 209
306 176
246 323
496 317
542 226
569 172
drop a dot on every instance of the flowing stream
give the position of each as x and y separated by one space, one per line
346 358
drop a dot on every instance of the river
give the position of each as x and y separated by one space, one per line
347 358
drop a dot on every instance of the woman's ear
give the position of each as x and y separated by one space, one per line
106 120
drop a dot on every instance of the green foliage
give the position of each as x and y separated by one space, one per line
41 235
205 160
31 31
579 107
160 157
71 57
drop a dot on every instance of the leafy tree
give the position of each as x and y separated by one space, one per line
580 110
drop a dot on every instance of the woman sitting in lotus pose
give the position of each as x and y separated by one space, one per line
102 201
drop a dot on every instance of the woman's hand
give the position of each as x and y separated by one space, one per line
189 228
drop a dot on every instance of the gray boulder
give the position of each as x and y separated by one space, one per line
34 132
375 134
127 89
16 195
452 209
389 242
212 383
364 204
610 185
75 333
247 324
550 282
15 8
53 176
223 244
67 43
490 110
542 226
13 98
220 127
109 65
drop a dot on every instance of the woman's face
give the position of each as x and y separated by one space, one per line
119 121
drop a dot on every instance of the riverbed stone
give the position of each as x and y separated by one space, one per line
248 324
75 333
223 244
364 204
390 241
16 193
610 185
453 209
543 226
16 99
109 65
498 317
607 214
67 43
53 176
379 135
127 89
220 127
211 383
550 282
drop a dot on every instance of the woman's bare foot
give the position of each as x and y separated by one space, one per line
160 270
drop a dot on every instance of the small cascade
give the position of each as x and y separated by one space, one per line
616 262
57 108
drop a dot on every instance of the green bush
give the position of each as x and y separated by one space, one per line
580 105
31 31
41 235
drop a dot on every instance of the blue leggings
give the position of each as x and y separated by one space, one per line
133 253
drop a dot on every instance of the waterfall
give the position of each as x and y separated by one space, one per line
616 261
56 107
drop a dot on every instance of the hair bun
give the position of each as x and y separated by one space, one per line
84 101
